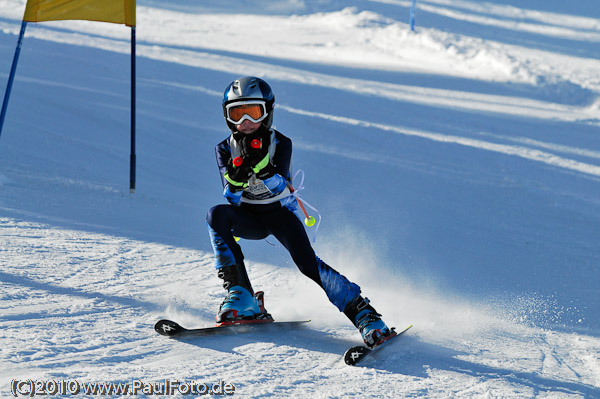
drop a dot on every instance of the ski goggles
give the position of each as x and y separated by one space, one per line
253 110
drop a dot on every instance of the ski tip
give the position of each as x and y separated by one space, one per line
167 327
355 354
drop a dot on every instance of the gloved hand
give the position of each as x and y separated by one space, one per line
238 173
264 169
254 147
256 151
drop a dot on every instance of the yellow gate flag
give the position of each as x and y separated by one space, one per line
115 11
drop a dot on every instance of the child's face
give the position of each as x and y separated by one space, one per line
247 127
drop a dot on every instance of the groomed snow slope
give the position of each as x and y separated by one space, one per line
457 169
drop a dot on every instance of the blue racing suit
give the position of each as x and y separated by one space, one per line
266 207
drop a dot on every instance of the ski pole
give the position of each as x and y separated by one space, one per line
308 220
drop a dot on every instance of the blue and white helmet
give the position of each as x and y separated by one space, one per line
249 90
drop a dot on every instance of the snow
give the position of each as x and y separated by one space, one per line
457 169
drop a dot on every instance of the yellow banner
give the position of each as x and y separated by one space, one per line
115 11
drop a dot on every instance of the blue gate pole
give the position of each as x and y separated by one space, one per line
11 77
412 15
132 160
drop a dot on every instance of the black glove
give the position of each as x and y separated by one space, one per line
238 176
267 171
254 147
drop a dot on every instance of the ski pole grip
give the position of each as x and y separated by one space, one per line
237 161
256 144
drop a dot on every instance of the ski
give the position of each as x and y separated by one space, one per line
358 353
170 328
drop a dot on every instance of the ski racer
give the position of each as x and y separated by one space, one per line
254 162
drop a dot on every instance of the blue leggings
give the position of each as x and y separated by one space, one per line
256 222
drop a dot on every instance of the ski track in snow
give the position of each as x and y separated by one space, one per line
521 151
79 296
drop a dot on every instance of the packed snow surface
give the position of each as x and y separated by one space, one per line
456 168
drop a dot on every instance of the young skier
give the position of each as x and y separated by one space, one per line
254 162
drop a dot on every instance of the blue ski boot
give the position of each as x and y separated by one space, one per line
372 329
240 305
